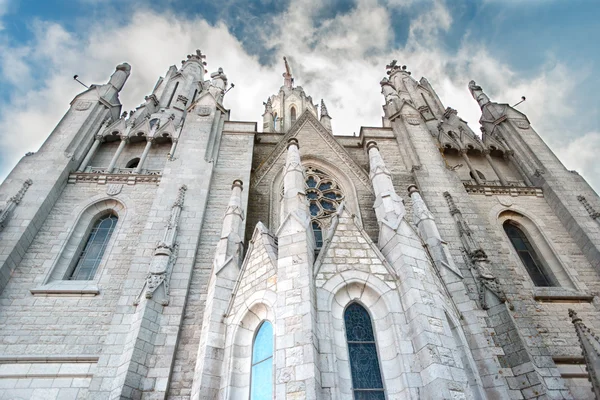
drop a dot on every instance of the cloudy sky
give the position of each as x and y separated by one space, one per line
546 50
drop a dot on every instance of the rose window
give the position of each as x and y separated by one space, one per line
324 197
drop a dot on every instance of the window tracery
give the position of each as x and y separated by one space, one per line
324 197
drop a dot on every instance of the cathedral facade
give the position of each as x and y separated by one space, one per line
174 253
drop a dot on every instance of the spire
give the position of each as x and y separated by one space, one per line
478 94
230 246
288 81
590 344
294 196
325 118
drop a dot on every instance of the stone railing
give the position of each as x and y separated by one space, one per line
471 182
491 188
119 175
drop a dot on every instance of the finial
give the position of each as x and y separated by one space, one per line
573 316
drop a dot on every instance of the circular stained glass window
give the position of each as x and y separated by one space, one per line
324 197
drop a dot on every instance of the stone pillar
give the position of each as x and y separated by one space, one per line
140 166
113 161
499 173
463 153
90 153
388 205
297 373
173 147
226 267
511 157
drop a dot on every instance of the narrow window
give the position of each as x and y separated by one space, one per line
318 234
173 94
364 362
527 255
261 383
293 115
194 96
92 253
133 163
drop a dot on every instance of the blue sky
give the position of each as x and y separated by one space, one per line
544 49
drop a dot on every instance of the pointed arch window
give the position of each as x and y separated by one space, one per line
261 382
293 115
92 252
527 254
362 350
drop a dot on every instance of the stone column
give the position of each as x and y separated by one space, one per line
297 373
226 267
90 153
511 157
122 145
388 205
463 153
499 173
173 147
140 166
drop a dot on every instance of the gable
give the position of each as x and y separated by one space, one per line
314 141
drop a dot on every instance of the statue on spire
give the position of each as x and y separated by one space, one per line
288 81
477 93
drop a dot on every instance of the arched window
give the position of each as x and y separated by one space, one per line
133 163
261 382
293 115
318 232
92 253
362 350
479 174
527 254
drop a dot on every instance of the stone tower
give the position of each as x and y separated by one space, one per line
172 253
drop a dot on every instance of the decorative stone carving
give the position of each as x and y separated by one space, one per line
82 105
588 207
413 119
13 202
204 111
182 99
476 258
165 254
521 123
114 189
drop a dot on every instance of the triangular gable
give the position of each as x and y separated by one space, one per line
143 127
117 126
259 269
347 245
168 128
326 136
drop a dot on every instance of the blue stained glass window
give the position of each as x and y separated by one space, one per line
312 195
261 384
92 253
362 350
327 205
324 197
325 186
314 209
311 182
527 255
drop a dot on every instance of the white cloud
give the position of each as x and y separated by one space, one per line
341 60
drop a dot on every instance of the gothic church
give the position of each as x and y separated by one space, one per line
174 253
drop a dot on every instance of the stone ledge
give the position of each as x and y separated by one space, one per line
561 295
51 358
66 288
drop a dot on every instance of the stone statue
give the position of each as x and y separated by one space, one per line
478 94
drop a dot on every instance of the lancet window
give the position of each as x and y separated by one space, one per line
324 196
92 252
261 382
362 351
528 255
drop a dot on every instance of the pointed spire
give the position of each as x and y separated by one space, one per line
288 81
268 107
590 344
230 245
294 195
324 112
325 118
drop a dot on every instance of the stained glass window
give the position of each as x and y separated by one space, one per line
362 350
527 255
261 384
293 115
324 197
92 253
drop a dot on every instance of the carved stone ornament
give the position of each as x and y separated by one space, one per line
413 119
13 202
505 201
522 123
204 111
82 105
114 189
